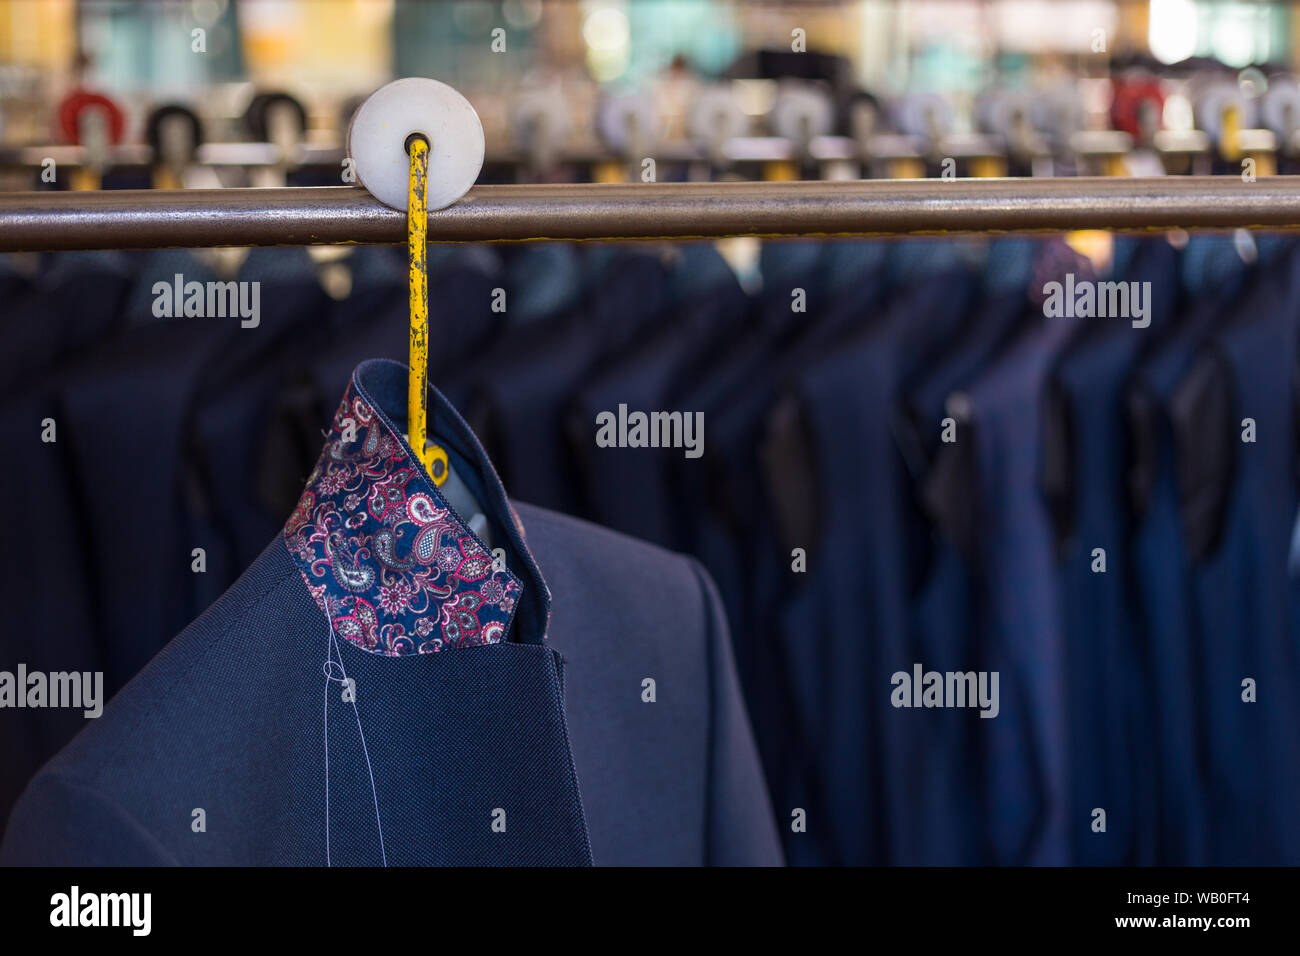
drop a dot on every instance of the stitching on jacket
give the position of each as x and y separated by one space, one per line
557 696
711 739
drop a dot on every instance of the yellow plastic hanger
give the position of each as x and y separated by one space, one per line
94 136
1098 245
432 456
1230 135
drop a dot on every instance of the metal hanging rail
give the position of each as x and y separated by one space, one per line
140 219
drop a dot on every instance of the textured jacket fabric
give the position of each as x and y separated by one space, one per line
591 716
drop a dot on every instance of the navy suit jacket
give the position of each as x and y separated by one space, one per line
295 722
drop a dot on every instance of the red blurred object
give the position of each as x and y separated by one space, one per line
74 103
1135 97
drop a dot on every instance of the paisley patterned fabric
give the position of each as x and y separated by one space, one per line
387 560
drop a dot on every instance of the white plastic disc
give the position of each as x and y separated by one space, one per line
1058 110
1281 105
379 129
1215 101
628 122
923 115
540 119
801 111
1004 112
715 115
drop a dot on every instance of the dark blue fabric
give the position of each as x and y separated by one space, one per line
1017 607
734 530
542 280
1108 683
630 489
105 595
226 434
1214 274
72 302
519 389
945 814
229 719
673 782
1242 595
127 407
51 621
842 625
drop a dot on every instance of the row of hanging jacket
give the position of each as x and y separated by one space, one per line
911 469
914 459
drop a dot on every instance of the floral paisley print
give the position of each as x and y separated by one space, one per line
391 565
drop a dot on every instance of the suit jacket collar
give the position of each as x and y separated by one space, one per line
391 564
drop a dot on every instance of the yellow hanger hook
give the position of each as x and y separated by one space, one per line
432 457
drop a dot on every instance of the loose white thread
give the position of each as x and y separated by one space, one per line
331 648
